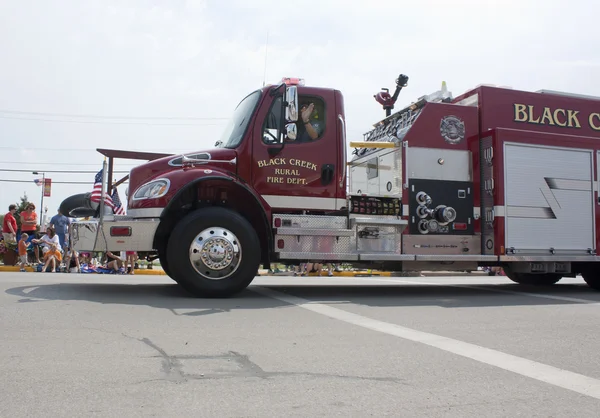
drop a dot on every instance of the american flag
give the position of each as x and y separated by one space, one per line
97 191
118 207
38 182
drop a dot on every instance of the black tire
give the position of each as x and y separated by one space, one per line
78 205
547 279
164 263
225 230
591 277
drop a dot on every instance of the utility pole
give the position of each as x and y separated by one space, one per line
42 201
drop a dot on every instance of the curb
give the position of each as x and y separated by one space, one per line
147 272
365 273
335 274
141 272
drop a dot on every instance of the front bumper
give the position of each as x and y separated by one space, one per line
117 233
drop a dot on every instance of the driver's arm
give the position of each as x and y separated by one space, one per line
312 132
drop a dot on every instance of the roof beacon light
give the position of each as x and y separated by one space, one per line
293 81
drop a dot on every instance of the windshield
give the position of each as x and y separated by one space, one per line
236 127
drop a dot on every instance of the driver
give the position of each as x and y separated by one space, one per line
309 127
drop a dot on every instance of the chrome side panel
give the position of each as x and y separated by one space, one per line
310 221
436 245
371 238
88 236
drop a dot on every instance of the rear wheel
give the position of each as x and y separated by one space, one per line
546 279
213 252
591 277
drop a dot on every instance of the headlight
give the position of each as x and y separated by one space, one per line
153 190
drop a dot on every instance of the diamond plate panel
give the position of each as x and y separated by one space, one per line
378 238
311 221
316 244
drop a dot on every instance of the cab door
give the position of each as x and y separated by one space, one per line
303 174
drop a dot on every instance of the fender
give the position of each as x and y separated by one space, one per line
188 179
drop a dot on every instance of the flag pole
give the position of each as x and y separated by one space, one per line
102 193
42 202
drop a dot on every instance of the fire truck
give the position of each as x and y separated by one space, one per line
493 177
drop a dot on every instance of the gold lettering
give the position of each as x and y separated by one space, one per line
547 116
572 116
287 172
278 180
591 120
552 117
531 120
272 161
558 122
303 164
520 113
277 161
292 180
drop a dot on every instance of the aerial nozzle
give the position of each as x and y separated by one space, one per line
386 100
402 80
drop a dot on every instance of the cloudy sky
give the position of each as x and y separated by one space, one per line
162 75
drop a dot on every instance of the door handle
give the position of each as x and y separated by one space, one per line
327 173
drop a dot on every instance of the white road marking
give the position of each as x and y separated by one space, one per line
491 289
30 289
575 382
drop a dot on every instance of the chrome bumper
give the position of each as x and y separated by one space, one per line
117 233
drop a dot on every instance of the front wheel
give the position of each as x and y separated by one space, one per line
213 252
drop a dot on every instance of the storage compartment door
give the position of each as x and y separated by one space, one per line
549 199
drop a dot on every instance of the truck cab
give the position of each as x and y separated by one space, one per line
265 161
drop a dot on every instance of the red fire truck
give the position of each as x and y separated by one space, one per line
494 177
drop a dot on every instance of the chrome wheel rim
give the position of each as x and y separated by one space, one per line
215 253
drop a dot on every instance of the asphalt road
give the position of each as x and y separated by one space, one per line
91 345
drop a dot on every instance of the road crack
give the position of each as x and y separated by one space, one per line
173 368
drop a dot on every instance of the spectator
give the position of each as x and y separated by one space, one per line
114 262
23 244
130 259
72 262
60 223
51 249
9 226
29 226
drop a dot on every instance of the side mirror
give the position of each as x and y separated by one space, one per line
291 131
291 97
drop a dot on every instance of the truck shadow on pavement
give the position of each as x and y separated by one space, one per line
173 298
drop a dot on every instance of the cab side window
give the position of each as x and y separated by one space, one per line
311 119
310 125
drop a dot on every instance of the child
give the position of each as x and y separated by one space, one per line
52 256
23 244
